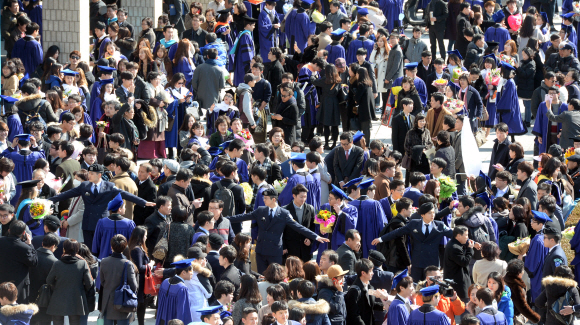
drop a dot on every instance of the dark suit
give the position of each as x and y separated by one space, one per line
329 161
422 72
232 275
96 205
499 155
346 258
155 224
37 243
270 244
437 30
462 42
474 105
457 258
294 241
425 250
148 192
345 170
38 277
360 305
432 77
198 35
123 97
555 258
400 129
213 260
17 259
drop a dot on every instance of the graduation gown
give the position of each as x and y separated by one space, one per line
227 39
542 125
355 45
36 227
173 302
371 220
242 168
172 137
310 94
103 46
14 126
508 107
428 315
575 245
534 262
95 104
573 36
492 112
185 67
106 229
307 180
498 34
244 53
419 85
297 29
335 51
29 51
399 312
266 32
35 15
24 161
392 9
386 205
344 222
491 316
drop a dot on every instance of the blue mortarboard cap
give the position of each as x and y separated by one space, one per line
567 15
486 178
185 264
366 184
540 216
362 11
357 136
429 291
555 192
411 65
353 181
210 310
298 157
24 137
9 99
456 52
455 86
226 313
567 28
214 151
310 2
491 56
338 32
544 16
69 72
116 203
484 196
106 69
337 191
399 277
225 144
498 16
107 81
507 66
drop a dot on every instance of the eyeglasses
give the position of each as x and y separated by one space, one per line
4 216
74 57
35 131
285 96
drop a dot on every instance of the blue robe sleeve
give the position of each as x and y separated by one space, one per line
350 216
36 228
398 313
14 127
540 127
243 171
386 205
97 238
313 193
422 90
286 196
371 224
186 68
213 163
567 6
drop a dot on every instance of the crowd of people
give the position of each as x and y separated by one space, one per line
126 177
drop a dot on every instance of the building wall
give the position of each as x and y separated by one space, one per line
139 9
66 24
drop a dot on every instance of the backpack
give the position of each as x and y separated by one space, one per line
226 195
34 117
478 235
564 300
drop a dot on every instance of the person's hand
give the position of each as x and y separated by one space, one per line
277 117
521 257
132 88
136 142
28 238
182 100
102 134
159 272
376 94
341 183
64 224
329 181
197 203
387 82
559 134
337 209
212 107
253 126
227 31
426 29
276 26
32 141
307 242
470 243
499 167
454 297
375 242
296 48
407 61
433 19
151 263
540 140
477 246
567 310
194 147
284 252
150 204
322 240
434 139
452 204
14 142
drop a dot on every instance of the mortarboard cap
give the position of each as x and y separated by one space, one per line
9 99
486 179
366 184
183 264
69 72
411 65
540 217
567 15
24 137
96 168
338 192
339 32
248 19
485 197
492 44
298 157
107 81
362 11
225 144
491 56
353 181
210 310
507 66
426 207
116 203
308 2
104 68
29 183
567 28
399 277
574 158
544 16
456 52
454 86
357 136
226 11
226 313
214 151
429 291
498 16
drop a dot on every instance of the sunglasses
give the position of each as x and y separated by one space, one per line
75 57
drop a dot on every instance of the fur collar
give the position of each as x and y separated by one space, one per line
559 281
201 270
11 310
311 307
28 98
149 117
324 279
202 180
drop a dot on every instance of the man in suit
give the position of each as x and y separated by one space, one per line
529 189
96 194
195 32
501 187
401 124
426 235
271 220
394 62
89 157
156 222
303 213
39 273
347 251
425 68
458 253
51 226
556 255
359 303
230 172
66 169
146 190
463 24
127 89
17 257
436 74
348 160
436 21
214 243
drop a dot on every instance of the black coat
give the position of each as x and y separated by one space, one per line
234 276
499 155
396 251
141 260
16 260
290 119
399 132
329 113
213 260
555 258
448 154
155 224
38 276
148 192
414 96
421 71
360 305
440 11
201 189
346 258
461 43
294 241
198 36
366 103
457 257
273 73
346 170
37 243
554 288
525 78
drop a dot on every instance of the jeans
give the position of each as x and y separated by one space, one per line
72 320
528 107
450 45
119 322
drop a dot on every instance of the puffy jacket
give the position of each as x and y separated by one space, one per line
476 218
506 305
335 299
316 311
29 104
220 46
525 78
197 292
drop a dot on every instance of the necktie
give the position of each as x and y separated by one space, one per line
426 230
347 155
95 190
271 214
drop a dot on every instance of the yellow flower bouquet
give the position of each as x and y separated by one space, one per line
326 220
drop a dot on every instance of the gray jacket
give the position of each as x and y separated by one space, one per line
529 190
111 275
459 167
447 154
335 18
570 126
394 66
70 278
208 81
414 49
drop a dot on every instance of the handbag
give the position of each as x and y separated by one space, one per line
342 94
170 122
162 246
44 294
354 124
150 287
125 298
406 162
480 137
484 115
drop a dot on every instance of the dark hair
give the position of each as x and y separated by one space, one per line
50 239
137 239
299 188
403 204
416 178
9 291
363 77
518 149
459 230
229 253
564 271
311 271
363 265
404 283
275 273
71 247
551 167
249 289
294 267
486 295
179 214
490 251
247 310
278 305
332 255
526 167
118 243
223 287
204 217
548 203
497 278
515 267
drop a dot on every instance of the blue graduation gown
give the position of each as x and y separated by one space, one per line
29 51
335 52
244 53
573 36
36 228
487 319
350 215
371 220
286 168
498 34
567 6
307 180
173 303
431 317
355 45
391 9
171 137
96 111
227 39
310 93
298 29
534 263
575 245
242 169
186 68
14 126
386 205
492 112
23 166
266 33
509 108
35 16
53 81
171 45
398 313
542 125
215 178
105 230
419 85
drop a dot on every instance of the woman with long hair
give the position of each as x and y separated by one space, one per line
107 94
10 81
27 195
143 43
186 129
240 11
209 24
182 63
418 136
311 272
502 296
223 31
182 99
242 244
294 268
511 49
52 80
529 29
164 63
433 187
446 152
309 52
146 63
50 58
125 42
365 100
249 297
222 133
273 293
112 52
550 170
408 91
54 99
378 58
477 23
329 112
154 117
139 257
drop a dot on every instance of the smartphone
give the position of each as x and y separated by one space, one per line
200 199
548 98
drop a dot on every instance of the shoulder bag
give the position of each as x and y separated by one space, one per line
150 287
162 246
125 298
44 294
342 94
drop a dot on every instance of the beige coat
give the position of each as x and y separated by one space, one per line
124 182
10 85
483 267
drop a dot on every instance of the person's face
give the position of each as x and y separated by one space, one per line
501 136
90 158
142 174
429 216
285 96
463 238
367 276
500 183
39 176
568 77
215 209
434 103
296 149
251 319
109 88
426 60
209 16
36 133
417 34
111 13
421 123
5 217
345 144
354 244
94 177
360 57
406 86
256 72
324 261
508 48
300 199
398 192
434 169
407 292
436 274
168 33
78 117
112 34
393 41
142 55
493 285
277 138
281 316
14 7
165 209
4 134
67 126
109 110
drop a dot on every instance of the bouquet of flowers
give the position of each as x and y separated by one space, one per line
248 192
508 59
455 74
440 84
576 7
493 77
40 208
453 104
280 185
102 124
568 153
326 220
246 136
447 187
568 233
520 246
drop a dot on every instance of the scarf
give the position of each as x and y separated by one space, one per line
112 20
235 47
167 44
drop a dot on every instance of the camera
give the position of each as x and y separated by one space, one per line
445 286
